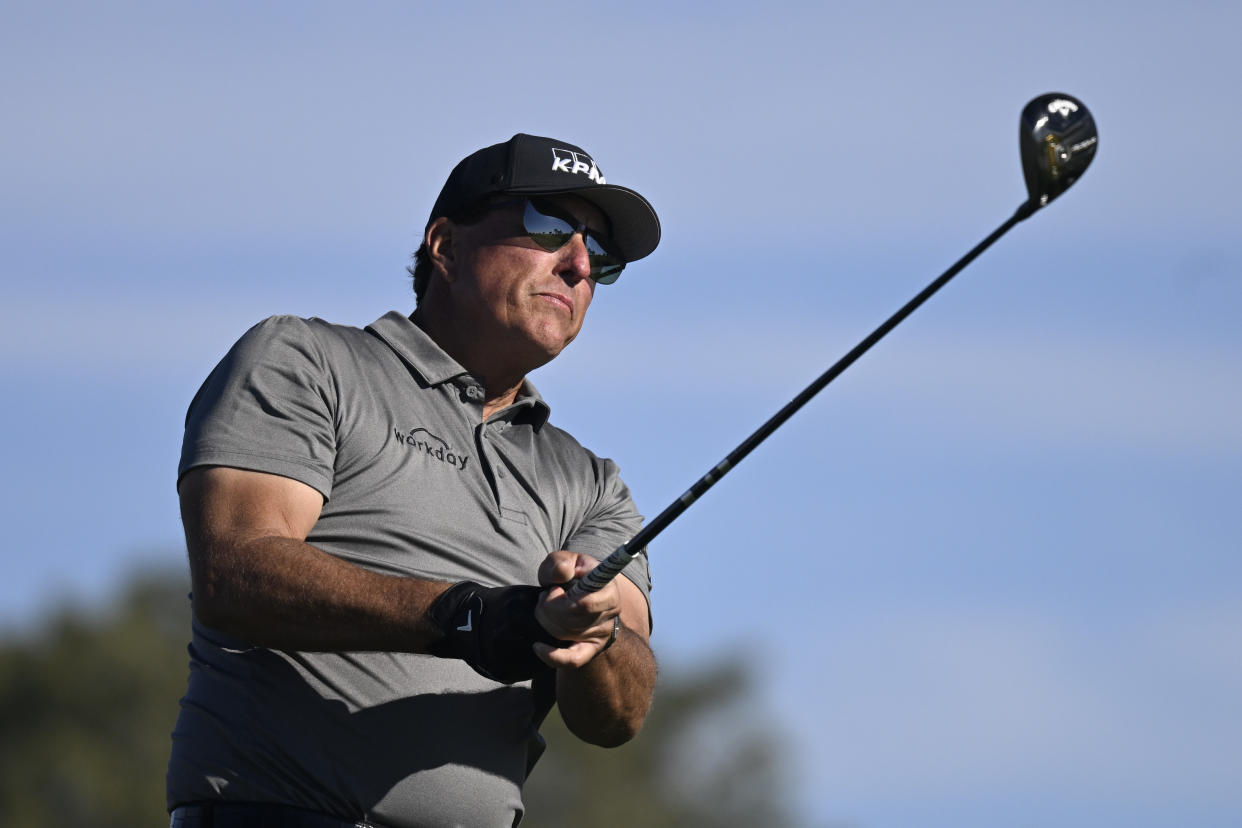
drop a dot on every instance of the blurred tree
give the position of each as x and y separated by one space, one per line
86 708
88 701
707 756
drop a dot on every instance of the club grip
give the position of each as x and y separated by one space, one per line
602 575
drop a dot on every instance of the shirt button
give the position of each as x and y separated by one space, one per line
474 392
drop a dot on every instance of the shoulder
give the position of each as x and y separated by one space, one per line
284 357
290 327
577 464
308 339
565 445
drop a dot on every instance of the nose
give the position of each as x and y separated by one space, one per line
575 261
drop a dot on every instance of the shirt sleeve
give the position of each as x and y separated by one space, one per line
612 521
268 406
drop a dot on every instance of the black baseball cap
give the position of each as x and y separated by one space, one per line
530 165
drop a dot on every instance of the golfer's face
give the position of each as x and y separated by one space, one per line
524 296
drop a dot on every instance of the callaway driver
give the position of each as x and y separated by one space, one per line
1057 138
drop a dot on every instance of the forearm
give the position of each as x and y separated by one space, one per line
606 701
286 594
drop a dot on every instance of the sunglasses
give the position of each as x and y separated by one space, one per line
552 228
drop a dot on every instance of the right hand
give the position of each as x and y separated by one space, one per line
584 623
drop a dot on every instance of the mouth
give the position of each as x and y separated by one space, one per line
560 300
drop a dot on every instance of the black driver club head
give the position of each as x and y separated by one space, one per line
1058 138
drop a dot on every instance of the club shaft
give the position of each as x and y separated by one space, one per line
611 566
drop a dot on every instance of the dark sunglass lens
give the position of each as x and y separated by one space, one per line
605 267
607 274
552 232
549 232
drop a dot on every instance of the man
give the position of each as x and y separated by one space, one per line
381 526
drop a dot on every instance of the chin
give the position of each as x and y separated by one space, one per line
551 343
533 353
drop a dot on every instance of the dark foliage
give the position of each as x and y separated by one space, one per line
88 700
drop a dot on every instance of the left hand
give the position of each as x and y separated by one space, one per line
585 621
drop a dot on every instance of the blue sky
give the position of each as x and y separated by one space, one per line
991 576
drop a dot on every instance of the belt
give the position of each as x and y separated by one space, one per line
256 815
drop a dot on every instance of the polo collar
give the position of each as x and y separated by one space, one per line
430 362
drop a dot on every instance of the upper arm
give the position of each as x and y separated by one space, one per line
226 511
270 405
232 506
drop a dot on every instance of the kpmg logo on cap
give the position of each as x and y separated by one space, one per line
576 162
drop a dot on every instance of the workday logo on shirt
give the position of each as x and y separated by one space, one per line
423 441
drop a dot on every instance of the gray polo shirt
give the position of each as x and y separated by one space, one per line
388 428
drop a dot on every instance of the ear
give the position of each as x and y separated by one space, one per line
439 239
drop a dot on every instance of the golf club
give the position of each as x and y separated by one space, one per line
1057 138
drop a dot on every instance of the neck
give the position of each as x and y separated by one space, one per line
487 363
